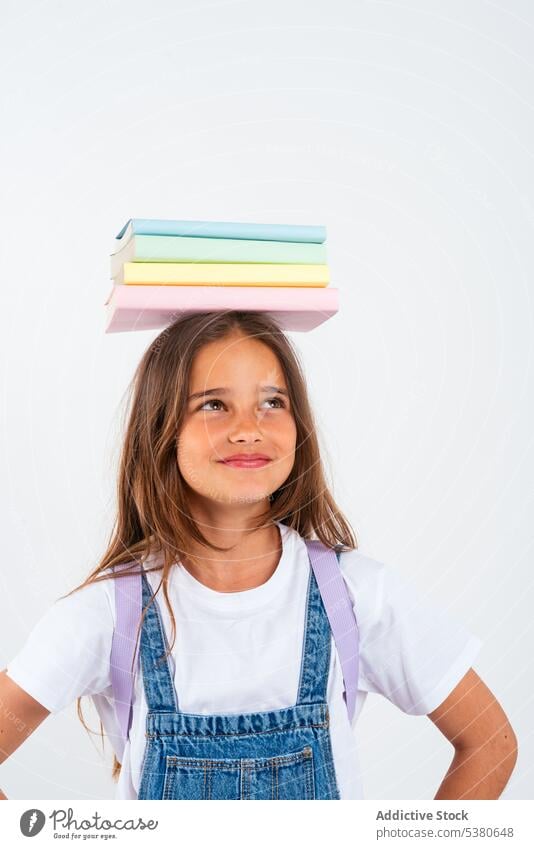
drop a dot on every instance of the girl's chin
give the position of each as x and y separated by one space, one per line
236 495
240 498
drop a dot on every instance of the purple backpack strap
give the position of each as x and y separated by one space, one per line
340 612
128 608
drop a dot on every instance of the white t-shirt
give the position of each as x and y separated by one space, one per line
240 652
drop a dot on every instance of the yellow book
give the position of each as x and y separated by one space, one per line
222 274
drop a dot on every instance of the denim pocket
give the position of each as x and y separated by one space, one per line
281 777
201 778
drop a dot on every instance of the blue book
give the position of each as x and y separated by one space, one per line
222 230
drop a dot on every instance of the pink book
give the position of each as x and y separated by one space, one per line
153 307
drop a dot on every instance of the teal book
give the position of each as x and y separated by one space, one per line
188 249
222 230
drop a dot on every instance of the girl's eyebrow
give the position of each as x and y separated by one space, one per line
222 390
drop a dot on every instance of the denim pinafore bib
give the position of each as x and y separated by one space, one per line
276 754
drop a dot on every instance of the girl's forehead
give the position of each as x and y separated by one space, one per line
241 355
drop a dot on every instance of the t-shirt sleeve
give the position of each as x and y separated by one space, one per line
67 653
411 651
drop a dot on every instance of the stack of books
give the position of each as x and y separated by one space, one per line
162 269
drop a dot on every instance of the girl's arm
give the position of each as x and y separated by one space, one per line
485 745
20 715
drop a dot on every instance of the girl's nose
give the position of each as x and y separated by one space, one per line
246 427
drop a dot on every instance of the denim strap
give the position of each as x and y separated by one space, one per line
158 677
315 661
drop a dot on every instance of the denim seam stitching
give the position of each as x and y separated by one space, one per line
311 775
236 733
305 636
248 763
307 763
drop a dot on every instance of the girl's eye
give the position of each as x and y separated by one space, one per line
216 401
280 401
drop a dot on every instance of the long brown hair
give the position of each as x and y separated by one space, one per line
152 511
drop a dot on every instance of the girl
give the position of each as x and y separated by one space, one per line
239 692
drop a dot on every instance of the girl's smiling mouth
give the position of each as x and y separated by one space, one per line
244 461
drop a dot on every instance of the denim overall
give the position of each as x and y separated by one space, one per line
277 754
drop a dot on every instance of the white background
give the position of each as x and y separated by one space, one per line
405 128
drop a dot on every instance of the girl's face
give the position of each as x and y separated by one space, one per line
244 415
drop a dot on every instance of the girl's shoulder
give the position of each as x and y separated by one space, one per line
360 567
385 597
66 653
381 591
366 579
